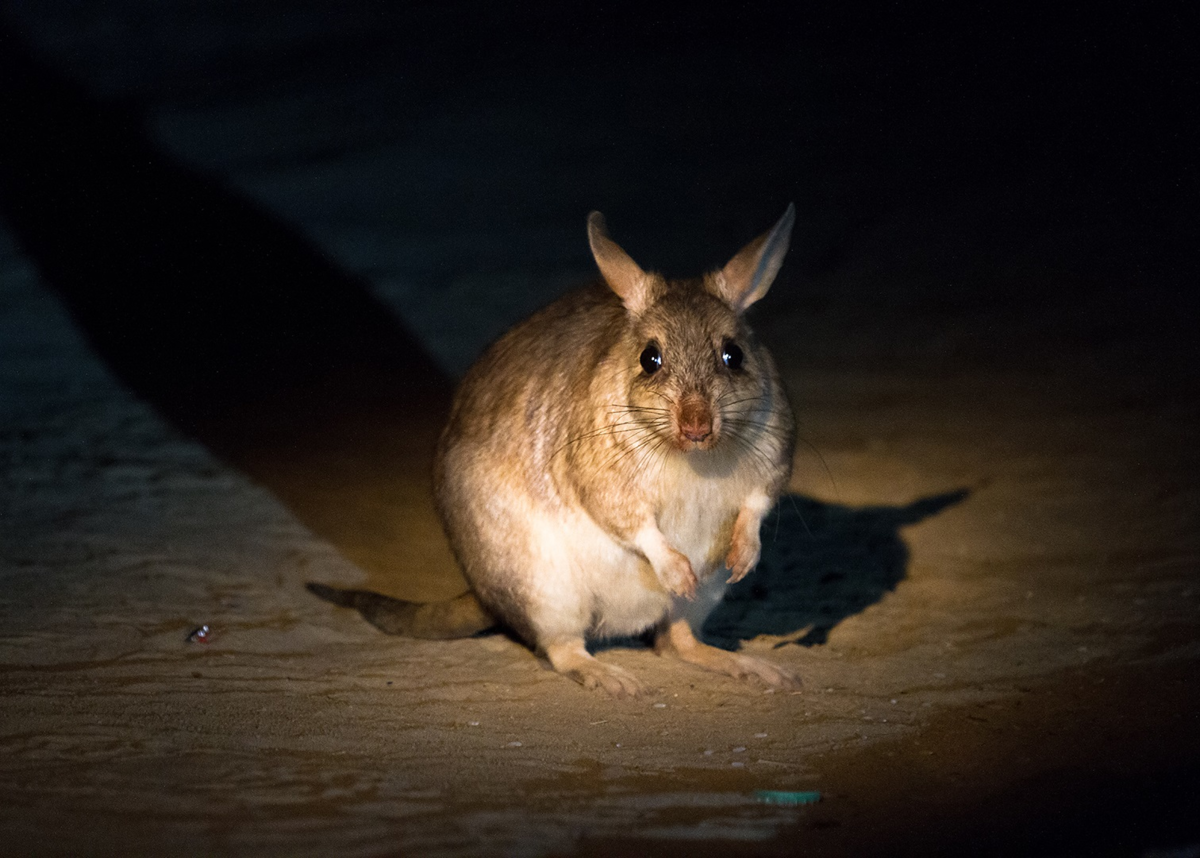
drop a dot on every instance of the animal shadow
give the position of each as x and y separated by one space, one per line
821 563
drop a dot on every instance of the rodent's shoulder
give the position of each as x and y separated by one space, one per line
573 332
590 308
544 364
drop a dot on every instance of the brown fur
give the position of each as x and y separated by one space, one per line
585 496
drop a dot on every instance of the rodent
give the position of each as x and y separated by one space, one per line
604 463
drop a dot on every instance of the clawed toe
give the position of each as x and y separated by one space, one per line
571 659
772 674
614 680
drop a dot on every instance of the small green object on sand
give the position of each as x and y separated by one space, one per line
779 796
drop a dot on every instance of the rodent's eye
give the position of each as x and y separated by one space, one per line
651 359
731 355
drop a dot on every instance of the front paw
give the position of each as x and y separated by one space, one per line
677 576
743 556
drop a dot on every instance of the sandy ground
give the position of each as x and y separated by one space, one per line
985 570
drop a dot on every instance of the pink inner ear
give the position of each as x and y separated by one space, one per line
749 275
738 274
620 272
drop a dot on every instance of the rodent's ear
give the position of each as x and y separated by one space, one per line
620 272
749 275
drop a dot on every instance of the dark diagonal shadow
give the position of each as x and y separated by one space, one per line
821 563
243 335
226 320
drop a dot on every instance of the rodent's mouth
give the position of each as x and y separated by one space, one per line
688 444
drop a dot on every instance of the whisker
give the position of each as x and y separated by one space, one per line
837 493
747 444
748 447
611 429
636 408
641 451
800 515
722 401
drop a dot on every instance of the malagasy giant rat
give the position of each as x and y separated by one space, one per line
607 465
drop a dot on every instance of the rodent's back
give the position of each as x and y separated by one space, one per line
530 391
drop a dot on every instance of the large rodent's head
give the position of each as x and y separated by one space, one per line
697 377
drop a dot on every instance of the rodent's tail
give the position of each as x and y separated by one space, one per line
459 617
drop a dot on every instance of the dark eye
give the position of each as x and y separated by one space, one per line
731 355
651 359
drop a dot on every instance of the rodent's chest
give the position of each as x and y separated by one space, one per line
696 515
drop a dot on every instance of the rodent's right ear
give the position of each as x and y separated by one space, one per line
749 275
620 272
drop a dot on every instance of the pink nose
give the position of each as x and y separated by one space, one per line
695 420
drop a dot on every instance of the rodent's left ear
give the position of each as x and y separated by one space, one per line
749 275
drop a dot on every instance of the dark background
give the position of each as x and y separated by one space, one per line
1038 167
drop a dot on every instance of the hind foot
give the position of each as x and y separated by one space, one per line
677 639
571 659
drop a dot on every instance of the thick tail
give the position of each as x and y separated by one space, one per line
459 617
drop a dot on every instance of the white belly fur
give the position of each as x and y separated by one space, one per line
588 581
590 584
